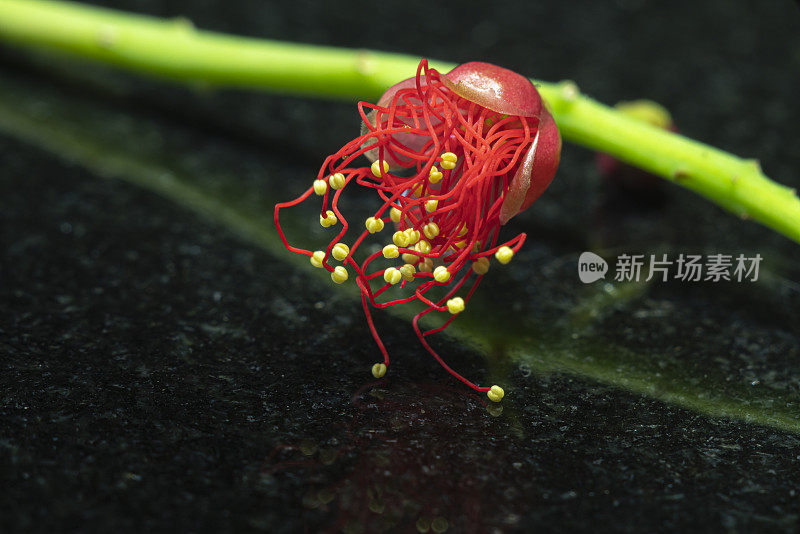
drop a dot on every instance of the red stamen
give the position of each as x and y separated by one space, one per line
465 157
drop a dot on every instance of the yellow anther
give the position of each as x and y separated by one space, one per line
423 246
455 305
431 230
378 370
376 168
431 205
435 176
481 266
441 274
495 393
390 251
395 215
317 257
340 251
374 225
410 258
392 276
460 244
329 219
462 231
339 275
400 238
449 160
504 255
418 190
320 187
336 181
408 271
426 265
413 236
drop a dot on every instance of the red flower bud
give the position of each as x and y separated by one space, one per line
454 156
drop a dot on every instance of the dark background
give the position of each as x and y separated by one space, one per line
165 365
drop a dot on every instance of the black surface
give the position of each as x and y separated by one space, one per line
160 371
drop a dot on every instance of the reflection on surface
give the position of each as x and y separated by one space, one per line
395 463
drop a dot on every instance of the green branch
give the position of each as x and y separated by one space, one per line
174 49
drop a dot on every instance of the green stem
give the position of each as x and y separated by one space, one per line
174 49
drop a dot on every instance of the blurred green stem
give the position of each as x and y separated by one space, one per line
174 49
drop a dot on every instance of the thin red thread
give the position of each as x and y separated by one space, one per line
488 146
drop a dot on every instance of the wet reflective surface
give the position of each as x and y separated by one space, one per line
165 364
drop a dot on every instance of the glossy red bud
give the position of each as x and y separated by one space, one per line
495 88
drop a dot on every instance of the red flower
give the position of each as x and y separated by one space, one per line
454 157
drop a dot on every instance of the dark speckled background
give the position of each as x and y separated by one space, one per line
165 366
